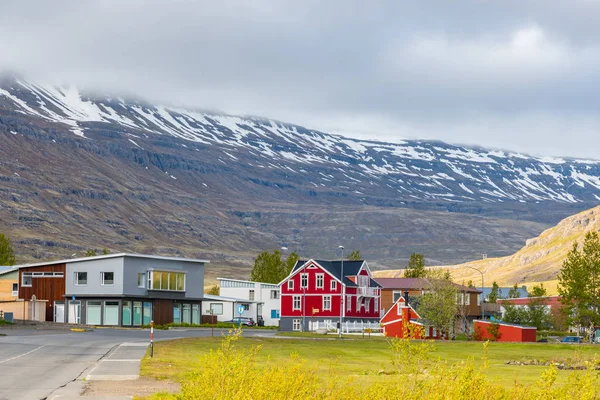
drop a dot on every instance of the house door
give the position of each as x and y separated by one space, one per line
74 312
59 312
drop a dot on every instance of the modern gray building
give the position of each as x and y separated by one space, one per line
117 289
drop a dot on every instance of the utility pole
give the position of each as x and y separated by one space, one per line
342 292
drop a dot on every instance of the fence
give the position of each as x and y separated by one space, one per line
347 326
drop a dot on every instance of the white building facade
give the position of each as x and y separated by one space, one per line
264 299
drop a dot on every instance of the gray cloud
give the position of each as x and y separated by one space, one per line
519 75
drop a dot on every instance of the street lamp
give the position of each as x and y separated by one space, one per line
343 292
482 313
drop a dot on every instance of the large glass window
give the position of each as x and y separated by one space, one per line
26 279
187 314
111 313
216 308
174 281
177 313
147 312
196 314
126 314
94 313
137 313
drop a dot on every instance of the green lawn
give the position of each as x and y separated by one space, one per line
362 360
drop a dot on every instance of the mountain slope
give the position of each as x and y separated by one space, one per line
539 260
81 171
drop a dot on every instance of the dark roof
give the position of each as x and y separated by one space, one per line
351 268
416 284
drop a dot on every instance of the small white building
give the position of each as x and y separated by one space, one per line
226 308
264 298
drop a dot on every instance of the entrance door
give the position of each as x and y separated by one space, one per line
74 312
59 312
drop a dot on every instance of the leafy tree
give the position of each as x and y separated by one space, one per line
415 267
537 310
438 305
90 253
514 293
7 255
515 314
105 251
354 256
214 290
579 283
270 268
470 284
494 293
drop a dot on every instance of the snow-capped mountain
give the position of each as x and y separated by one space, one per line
412 170
79 171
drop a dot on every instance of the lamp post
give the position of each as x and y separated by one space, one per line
482 312
342 291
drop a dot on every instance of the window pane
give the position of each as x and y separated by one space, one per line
186 314
196 314
156 280
181 281
147 313
126 318
108 278
164 281
137 312
141 280
177 313
111 313
173 281
217 308
94 311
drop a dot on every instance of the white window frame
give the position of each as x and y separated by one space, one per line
467 299
246 306
15 292
274 294
333 285
251 294
478 299
299 300
76 278
320 281
290 285
296 325
376 308
303 285
103 279
326 303
433 332
396 292
348 303
26 275
213 308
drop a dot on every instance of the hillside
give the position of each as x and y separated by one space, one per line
78 170
539 260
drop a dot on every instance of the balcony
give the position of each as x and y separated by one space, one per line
367 292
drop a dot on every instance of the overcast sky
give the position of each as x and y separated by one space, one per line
519 75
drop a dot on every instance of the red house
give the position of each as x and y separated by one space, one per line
506 332
313 293
401 319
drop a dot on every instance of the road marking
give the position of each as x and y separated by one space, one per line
124 360
22 355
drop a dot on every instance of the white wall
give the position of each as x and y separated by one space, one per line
262 293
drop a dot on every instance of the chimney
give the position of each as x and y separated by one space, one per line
406 298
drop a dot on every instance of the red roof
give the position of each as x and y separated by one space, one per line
522 301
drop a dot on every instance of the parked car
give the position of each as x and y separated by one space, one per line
243 320
572 339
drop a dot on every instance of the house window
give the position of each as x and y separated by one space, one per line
15 289
296 325
275 314
425 330
320 279
26 279
290 285
327 303
80 278
251 294
396 295
376 308
296 305
141 280
479 299
163 280
304 281
434 333
275 294
246 306
467 299
216 308
333 285
349 303
107 278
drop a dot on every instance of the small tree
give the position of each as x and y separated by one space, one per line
354 256
415 267
494 293
514 292
494 331
438 304
270 268
105 251
537 309
7 255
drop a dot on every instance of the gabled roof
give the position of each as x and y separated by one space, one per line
107 256
8 270
351 268
416 284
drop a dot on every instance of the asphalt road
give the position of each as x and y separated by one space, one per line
34 363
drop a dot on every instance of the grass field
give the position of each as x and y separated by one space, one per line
364 360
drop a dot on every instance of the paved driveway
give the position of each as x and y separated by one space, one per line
34 363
